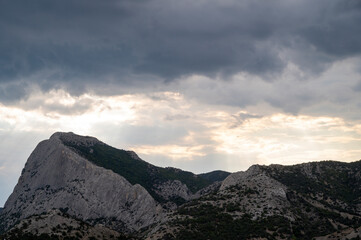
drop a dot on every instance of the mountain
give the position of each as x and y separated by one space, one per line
319 200
75 187
164 184
93 182
214 176
56 177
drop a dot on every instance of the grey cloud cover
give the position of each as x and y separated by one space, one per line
77 45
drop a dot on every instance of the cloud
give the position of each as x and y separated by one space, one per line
86 46
336 31
12 92
59 102
176 117
239 118
358 86
324 94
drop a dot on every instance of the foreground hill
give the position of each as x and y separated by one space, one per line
75 187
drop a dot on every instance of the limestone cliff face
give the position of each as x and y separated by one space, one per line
171 189
56 177
271 194
239 177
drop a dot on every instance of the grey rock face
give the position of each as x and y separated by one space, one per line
55 177
238 177
214 187
173 188
270 193
76 139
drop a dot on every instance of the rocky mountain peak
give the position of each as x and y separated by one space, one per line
238 177
96 183
57 177
74 139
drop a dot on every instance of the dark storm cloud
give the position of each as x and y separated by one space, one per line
358 86
336 30
77 44
11 92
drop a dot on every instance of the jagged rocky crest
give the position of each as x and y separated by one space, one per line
80 183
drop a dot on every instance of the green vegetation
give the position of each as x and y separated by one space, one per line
205 221
199 220
61 231
215 176
16 235
137 171
336 180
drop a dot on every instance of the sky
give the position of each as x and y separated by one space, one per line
198 85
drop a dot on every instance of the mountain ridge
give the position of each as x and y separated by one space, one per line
68 166
71 177
137 171
259 203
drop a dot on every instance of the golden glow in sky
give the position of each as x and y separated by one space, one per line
167 129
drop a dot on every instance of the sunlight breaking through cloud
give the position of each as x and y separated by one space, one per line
203 129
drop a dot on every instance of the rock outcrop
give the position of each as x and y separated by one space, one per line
261 194
56 177
171 189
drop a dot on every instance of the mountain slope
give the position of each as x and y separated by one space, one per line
156 180
307 201
97 183
329 180
55 177
58 225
